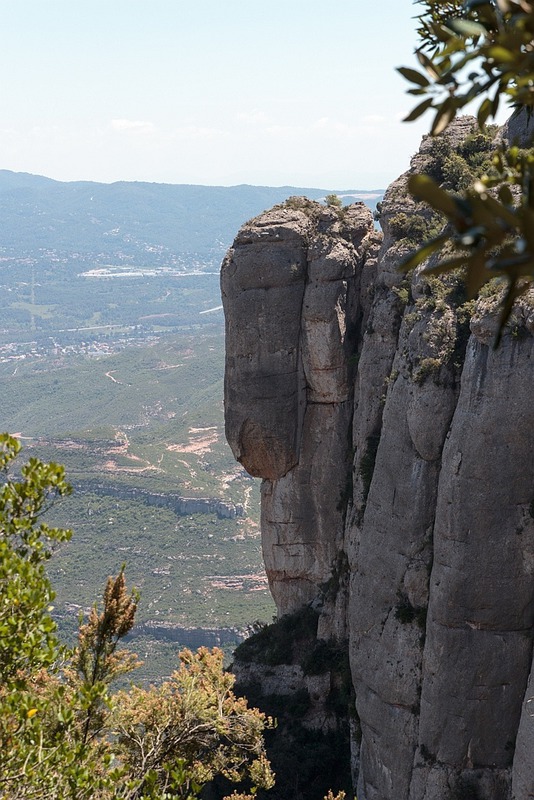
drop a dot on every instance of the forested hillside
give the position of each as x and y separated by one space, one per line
138 223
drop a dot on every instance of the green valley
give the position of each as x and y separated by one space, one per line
111 363
136 431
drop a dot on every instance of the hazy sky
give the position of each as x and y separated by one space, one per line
274 92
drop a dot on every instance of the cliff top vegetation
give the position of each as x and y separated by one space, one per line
480 51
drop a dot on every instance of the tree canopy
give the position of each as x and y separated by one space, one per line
479 51
65 734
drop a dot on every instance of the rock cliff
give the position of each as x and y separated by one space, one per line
396 448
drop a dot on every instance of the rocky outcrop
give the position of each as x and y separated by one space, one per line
180 505
304 683
397 451
293 313
188 637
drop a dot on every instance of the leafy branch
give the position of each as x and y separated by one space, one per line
64 734
479 50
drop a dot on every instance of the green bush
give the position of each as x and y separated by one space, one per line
327 655
457 169
333 201
275 644
307 762
64 735
456 172
415 228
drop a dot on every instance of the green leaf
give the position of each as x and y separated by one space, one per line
466 27
484 111
501 54
455 68
455 45
423 253
427 64
441 32
477 274
418 110
413 76
424 188
505 195
447 266
519 265
445 115
526 80
500 211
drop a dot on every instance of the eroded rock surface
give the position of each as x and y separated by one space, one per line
290 293
397 451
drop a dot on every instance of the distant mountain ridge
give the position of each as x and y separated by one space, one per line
133 222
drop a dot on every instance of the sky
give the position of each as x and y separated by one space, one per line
216 92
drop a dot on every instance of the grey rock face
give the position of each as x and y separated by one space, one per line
401 444
292 315
481 609
519 129
263 281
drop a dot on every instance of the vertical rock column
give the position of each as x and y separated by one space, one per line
397 463
481 612
263 279
290 296
442 579
303 511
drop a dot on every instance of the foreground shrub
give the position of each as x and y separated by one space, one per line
64 734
